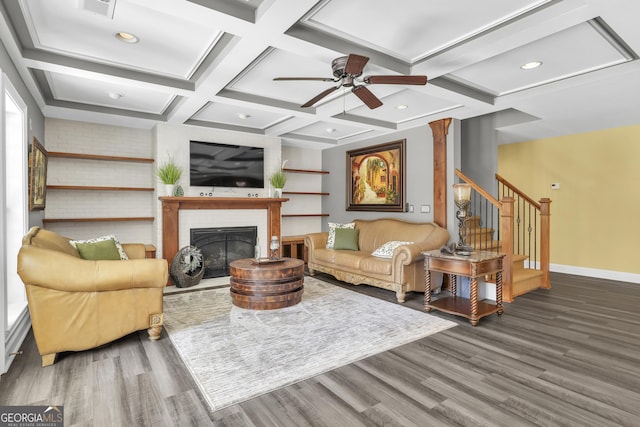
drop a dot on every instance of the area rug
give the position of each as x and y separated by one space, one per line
235 354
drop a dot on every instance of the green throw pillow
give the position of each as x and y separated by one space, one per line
346 238
105 249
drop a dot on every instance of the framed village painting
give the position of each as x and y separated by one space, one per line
38 157
376 178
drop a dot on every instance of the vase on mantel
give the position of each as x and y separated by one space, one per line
167 190
277 193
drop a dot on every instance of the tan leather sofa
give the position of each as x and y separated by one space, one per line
402 273
78 304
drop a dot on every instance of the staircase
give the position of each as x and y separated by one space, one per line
515 225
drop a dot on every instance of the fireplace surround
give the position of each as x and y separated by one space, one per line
171 207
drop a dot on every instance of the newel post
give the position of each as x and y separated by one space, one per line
506 227
545 241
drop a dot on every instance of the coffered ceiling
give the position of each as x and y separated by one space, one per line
212 63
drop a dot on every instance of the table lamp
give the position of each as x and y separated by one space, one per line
462 199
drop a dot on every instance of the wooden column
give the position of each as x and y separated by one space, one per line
545 245
170 210
440 129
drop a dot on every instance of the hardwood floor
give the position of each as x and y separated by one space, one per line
568 356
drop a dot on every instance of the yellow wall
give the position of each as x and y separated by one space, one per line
595 215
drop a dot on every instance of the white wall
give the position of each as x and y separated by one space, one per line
419 176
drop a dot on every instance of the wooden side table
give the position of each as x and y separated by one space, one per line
293 247
477 264
149 251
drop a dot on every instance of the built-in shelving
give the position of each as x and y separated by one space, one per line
305 193
309 193
109 219
96 188
99 157
302 215
305 171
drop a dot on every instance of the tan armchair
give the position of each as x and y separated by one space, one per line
78 304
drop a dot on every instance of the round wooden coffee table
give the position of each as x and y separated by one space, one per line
266 286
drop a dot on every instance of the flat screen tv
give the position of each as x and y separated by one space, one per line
222 165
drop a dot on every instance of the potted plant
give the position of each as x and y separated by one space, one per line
169 173
278 179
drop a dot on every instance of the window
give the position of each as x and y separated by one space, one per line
13 196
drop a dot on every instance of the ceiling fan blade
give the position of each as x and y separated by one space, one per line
367 97
355 64
321 79
318 97
396 80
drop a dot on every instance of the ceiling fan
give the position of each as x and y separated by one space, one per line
347 70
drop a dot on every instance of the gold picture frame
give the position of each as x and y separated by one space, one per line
38 159
376 178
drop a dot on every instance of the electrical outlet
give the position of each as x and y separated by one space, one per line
555 186
411 208
425 208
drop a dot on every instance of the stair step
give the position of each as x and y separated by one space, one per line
473 221
526 281
518 262
487 231
486 245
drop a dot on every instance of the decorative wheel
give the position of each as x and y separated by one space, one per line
187 267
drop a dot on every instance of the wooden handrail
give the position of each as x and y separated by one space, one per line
495 202
518 191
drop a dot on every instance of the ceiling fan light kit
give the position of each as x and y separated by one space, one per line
347 70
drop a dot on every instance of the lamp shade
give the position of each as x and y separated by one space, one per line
461 192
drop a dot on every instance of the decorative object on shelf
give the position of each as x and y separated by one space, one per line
274 248
187 267
37 176
178 191
278 179
376 178
462 199
169 173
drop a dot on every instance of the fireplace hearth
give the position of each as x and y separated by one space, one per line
222 245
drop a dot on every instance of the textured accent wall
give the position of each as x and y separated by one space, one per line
89 138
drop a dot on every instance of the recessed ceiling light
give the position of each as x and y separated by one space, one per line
402 107
531 65
114 95
244 116
331 130
127 37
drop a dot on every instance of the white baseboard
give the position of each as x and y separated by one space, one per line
485 290
596 273
488 290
